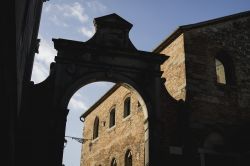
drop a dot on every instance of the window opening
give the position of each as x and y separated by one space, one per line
128 158
126 107
112 118
220 72
96 128
113 162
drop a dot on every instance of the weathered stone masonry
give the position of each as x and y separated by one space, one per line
211 121
127 134
191 75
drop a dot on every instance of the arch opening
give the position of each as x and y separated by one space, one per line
96 128
220 72
225 70
128 158
127 107
103 121
112 118
113 162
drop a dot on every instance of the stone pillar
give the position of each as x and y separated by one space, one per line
190 152
155 156
57 136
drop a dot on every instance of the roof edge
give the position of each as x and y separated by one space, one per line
187 27
98 102
168 40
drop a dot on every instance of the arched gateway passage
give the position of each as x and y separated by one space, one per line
108 56
176 133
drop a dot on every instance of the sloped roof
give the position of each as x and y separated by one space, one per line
102 99
184 28
163 44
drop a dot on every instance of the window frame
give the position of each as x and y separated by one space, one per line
113 161
222 81
112 117
96 128
128 159
229 68
127 107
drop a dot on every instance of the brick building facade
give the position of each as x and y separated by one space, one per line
115 129
208 69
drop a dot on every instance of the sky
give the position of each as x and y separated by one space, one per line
153 21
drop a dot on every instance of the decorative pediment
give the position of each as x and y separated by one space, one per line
112 31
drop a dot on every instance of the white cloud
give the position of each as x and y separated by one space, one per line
39 72
78 95
46 52
64 15
47 7
77 104
57 21
43 60
74 10
96 6
103 84
87 31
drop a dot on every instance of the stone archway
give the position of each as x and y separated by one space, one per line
108 56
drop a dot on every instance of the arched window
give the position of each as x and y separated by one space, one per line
126 107
112 118
220 72
113 162
128 158
96 128
225 70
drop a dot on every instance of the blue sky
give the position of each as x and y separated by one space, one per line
153 21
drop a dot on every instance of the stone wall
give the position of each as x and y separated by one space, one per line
210 101
28 14
174 68
213 114
210 107
128 133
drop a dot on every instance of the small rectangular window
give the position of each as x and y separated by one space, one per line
220 72
112 118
